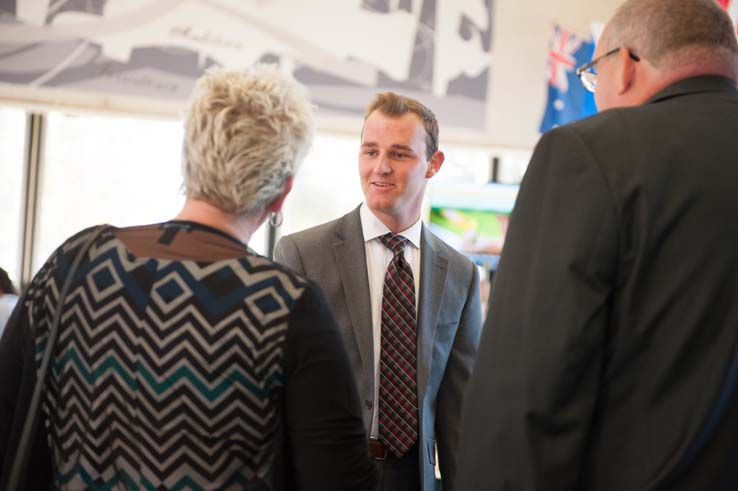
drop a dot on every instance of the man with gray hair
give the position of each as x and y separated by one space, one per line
608 358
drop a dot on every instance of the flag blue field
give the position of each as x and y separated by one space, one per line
567 100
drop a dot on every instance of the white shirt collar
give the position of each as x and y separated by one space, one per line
372 227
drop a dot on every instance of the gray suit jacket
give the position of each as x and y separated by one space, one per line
449 324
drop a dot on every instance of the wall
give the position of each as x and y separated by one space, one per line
521 34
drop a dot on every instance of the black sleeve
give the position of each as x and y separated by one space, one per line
12 353
533 393
17 379
326 442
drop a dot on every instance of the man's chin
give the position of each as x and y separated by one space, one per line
380 206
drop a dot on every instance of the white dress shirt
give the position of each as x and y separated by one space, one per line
378 258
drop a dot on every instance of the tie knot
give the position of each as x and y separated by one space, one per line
393 242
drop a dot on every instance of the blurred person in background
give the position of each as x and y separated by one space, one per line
8 298
184 359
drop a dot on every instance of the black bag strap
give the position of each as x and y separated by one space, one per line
29 425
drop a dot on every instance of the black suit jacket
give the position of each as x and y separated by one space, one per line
607 360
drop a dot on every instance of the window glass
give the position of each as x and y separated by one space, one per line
326 185
121 171
12 144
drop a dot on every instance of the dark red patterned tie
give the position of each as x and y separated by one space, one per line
398 401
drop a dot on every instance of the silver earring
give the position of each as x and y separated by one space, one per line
275 218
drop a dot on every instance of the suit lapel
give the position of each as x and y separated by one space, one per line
351 263
432 280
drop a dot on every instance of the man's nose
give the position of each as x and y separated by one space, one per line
382 165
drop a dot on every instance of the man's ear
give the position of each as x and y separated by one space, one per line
627 71
277 203
436 161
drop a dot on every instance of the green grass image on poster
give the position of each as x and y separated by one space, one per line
486 223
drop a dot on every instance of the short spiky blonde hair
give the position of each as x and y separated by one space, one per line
245 135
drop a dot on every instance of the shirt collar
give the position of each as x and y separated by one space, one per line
373 228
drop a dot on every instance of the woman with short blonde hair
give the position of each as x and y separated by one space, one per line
184 360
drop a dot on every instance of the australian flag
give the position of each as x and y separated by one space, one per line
568 100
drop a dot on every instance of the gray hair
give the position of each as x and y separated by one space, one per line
245 135
675 32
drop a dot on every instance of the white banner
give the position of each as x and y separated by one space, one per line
143 56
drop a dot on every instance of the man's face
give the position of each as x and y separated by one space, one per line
393 167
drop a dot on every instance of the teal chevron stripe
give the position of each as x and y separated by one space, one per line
275 378
112 363
238 478
186 483
249 377
41 345
92 485
211 394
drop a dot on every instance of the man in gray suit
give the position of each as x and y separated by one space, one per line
411 359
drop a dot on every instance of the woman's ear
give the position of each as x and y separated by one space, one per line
277 203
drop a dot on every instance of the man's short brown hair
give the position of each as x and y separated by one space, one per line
391 104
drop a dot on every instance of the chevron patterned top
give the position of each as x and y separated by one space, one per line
170 374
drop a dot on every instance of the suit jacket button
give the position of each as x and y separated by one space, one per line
368 404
